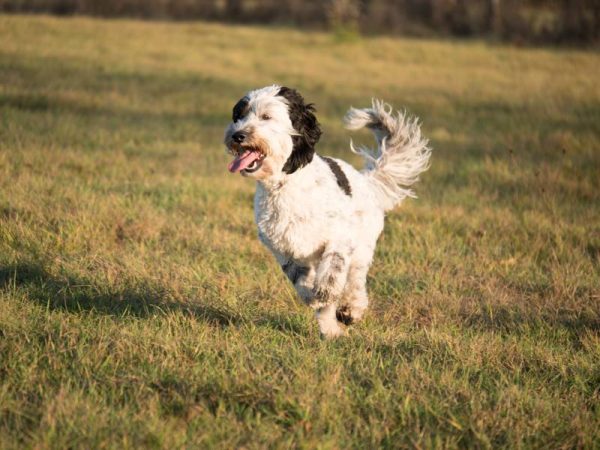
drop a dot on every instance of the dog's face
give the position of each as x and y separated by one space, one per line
273 132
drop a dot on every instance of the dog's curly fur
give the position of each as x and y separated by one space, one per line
319 216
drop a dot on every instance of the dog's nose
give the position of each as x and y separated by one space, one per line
238 137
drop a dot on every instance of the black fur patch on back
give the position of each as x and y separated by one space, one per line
340 176
306 124
240 109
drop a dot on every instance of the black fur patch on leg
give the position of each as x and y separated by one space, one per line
340 176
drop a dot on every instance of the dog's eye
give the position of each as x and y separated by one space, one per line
265 117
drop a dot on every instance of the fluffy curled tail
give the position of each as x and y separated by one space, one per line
402 153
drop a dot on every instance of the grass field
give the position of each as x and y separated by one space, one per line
137 308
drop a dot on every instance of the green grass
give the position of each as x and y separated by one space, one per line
137 308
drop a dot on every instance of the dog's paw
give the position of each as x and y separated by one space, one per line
333 332
344 315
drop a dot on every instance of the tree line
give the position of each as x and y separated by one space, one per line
537 21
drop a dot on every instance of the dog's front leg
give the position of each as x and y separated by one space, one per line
330 279
302 277
331 274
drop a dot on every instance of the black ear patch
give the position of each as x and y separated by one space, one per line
240 109
306 124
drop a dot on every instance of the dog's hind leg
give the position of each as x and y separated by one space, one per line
330 278
355 300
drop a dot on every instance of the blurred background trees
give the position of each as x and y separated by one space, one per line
535 21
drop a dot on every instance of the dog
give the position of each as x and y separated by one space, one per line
319 216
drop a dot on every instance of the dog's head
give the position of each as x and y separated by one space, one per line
273 132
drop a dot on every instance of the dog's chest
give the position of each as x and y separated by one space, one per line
290 222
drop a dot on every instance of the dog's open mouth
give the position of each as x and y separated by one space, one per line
247 160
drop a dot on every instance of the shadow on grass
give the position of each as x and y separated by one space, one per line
67 293
143 301
76 295
106 98
43 103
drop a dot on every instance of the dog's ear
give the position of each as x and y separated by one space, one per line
306 124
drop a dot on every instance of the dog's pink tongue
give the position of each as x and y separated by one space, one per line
242 161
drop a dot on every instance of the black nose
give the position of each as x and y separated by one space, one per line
238 137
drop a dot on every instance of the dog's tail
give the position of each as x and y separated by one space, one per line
402 153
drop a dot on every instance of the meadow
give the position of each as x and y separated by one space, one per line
138 309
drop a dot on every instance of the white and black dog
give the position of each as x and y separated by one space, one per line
319 216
